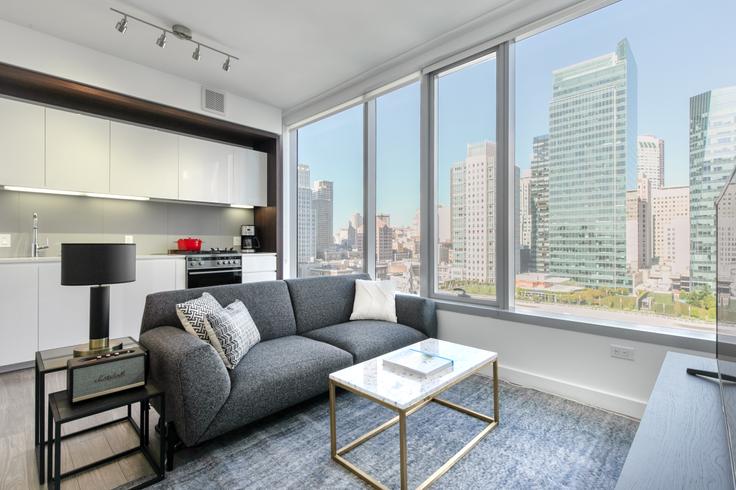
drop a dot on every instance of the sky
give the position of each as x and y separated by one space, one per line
680 51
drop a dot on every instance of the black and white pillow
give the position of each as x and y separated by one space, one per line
232 332
193 314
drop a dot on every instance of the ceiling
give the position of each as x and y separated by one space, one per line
290 50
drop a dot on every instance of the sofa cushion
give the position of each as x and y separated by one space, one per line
322 301
274 375
366 339
268 302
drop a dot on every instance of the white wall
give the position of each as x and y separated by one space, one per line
34 50
574 365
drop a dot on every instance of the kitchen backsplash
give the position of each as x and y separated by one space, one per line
155 226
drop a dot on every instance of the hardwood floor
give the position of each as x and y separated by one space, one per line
17 453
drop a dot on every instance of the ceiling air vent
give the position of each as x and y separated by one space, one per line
213 101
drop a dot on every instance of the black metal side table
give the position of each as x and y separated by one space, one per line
61 411
50 361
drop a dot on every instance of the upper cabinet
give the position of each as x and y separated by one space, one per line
249 185
21 144
205 170
77 152
143 162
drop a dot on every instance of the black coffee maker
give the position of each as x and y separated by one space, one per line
249 242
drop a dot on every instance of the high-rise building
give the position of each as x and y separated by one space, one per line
592 147
357 220
305 217
473 216
322 202
639 226
540 205
671 227
443 224
712 159
384 238
650 160
525 209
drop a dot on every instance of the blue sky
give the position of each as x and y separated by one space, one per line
682 48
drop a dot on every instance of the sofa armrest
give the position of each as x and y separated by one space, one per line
417 312
193 376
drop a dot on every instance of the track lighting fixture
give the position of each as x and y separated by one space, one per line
161 41
122 25
180 32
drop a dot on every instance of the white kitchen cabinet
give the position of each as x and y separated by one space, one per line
250 178
127 300
18 313
259 267
143 162
205 170
63 311
77 152
21 144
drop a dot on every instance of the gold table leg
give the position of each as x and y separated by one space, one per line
401 418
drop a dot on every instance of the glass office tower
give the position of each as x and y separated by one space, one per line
592 152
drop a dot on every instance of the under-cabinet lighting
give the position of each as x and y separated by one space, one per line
73 193
241 206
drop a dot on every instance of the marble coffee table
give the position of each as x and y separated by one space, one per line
405 394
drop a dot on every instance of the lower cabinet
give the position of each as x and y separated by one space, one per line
259 267
37 312
18 313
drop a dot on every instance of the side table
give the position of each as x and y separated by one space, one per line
50 361
61 411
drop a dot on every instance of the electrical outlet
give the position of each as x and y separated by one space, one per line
129 239
622 352
236 241
5 241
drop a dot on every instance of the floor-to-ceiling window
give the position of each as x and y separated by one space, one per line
398 230
625 134
329 194
465 180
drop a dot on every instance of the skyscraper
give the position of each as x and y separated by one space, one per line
473 216
671 227
305 216
650 160
525 209
639 226
712 159
540 204
384 238
322 203
592 146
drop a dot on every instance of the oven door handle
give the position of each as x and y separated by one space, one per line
220 271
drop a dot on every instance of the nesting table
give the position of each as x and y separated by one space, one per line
405 394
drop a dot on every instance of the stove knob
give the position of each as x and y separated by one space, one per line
219 262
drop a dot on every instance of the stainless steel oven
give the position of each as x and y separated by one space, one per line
213 269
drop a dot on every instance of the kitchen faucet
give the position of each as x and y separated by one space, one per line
35 247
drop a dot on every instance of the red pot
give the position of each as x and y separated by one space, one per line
189 244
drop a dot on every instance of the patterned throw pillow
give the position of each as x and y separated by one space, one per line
232 332
193 314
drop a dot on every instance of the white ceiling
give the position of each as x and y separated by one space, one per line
290 50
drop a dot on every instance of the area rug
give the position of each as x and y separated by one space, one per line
542 441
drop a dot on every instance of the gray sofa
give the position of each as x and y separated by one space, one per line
305 335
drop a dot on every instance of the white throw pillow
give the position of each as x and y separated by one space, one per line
374 300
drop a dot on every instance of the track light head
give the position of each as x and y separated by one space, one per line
226 64
195 55
161 41
122 25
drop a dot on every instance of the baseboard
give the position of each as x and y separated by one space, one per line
586 395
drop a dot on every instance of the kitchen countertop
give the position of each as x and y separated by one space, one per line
41 260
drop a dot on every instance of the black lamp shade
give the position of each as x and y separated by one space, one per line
92 264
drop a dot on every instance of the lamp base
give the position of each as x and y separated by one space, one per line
96 347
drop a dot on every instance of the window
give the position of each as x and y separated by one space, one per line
397 188
465 184
625 133
330 195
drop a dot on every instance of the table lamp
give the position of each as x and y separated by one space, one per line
97 265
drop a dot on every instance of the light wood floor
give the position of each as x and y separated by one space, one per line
17 452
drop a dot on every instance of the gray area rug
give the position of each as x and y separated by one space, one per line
543 441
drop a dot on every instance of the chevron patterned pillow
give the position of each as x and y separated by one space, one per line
193 314
232 332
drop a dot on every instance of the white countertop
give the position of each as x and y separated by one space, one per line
162 256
